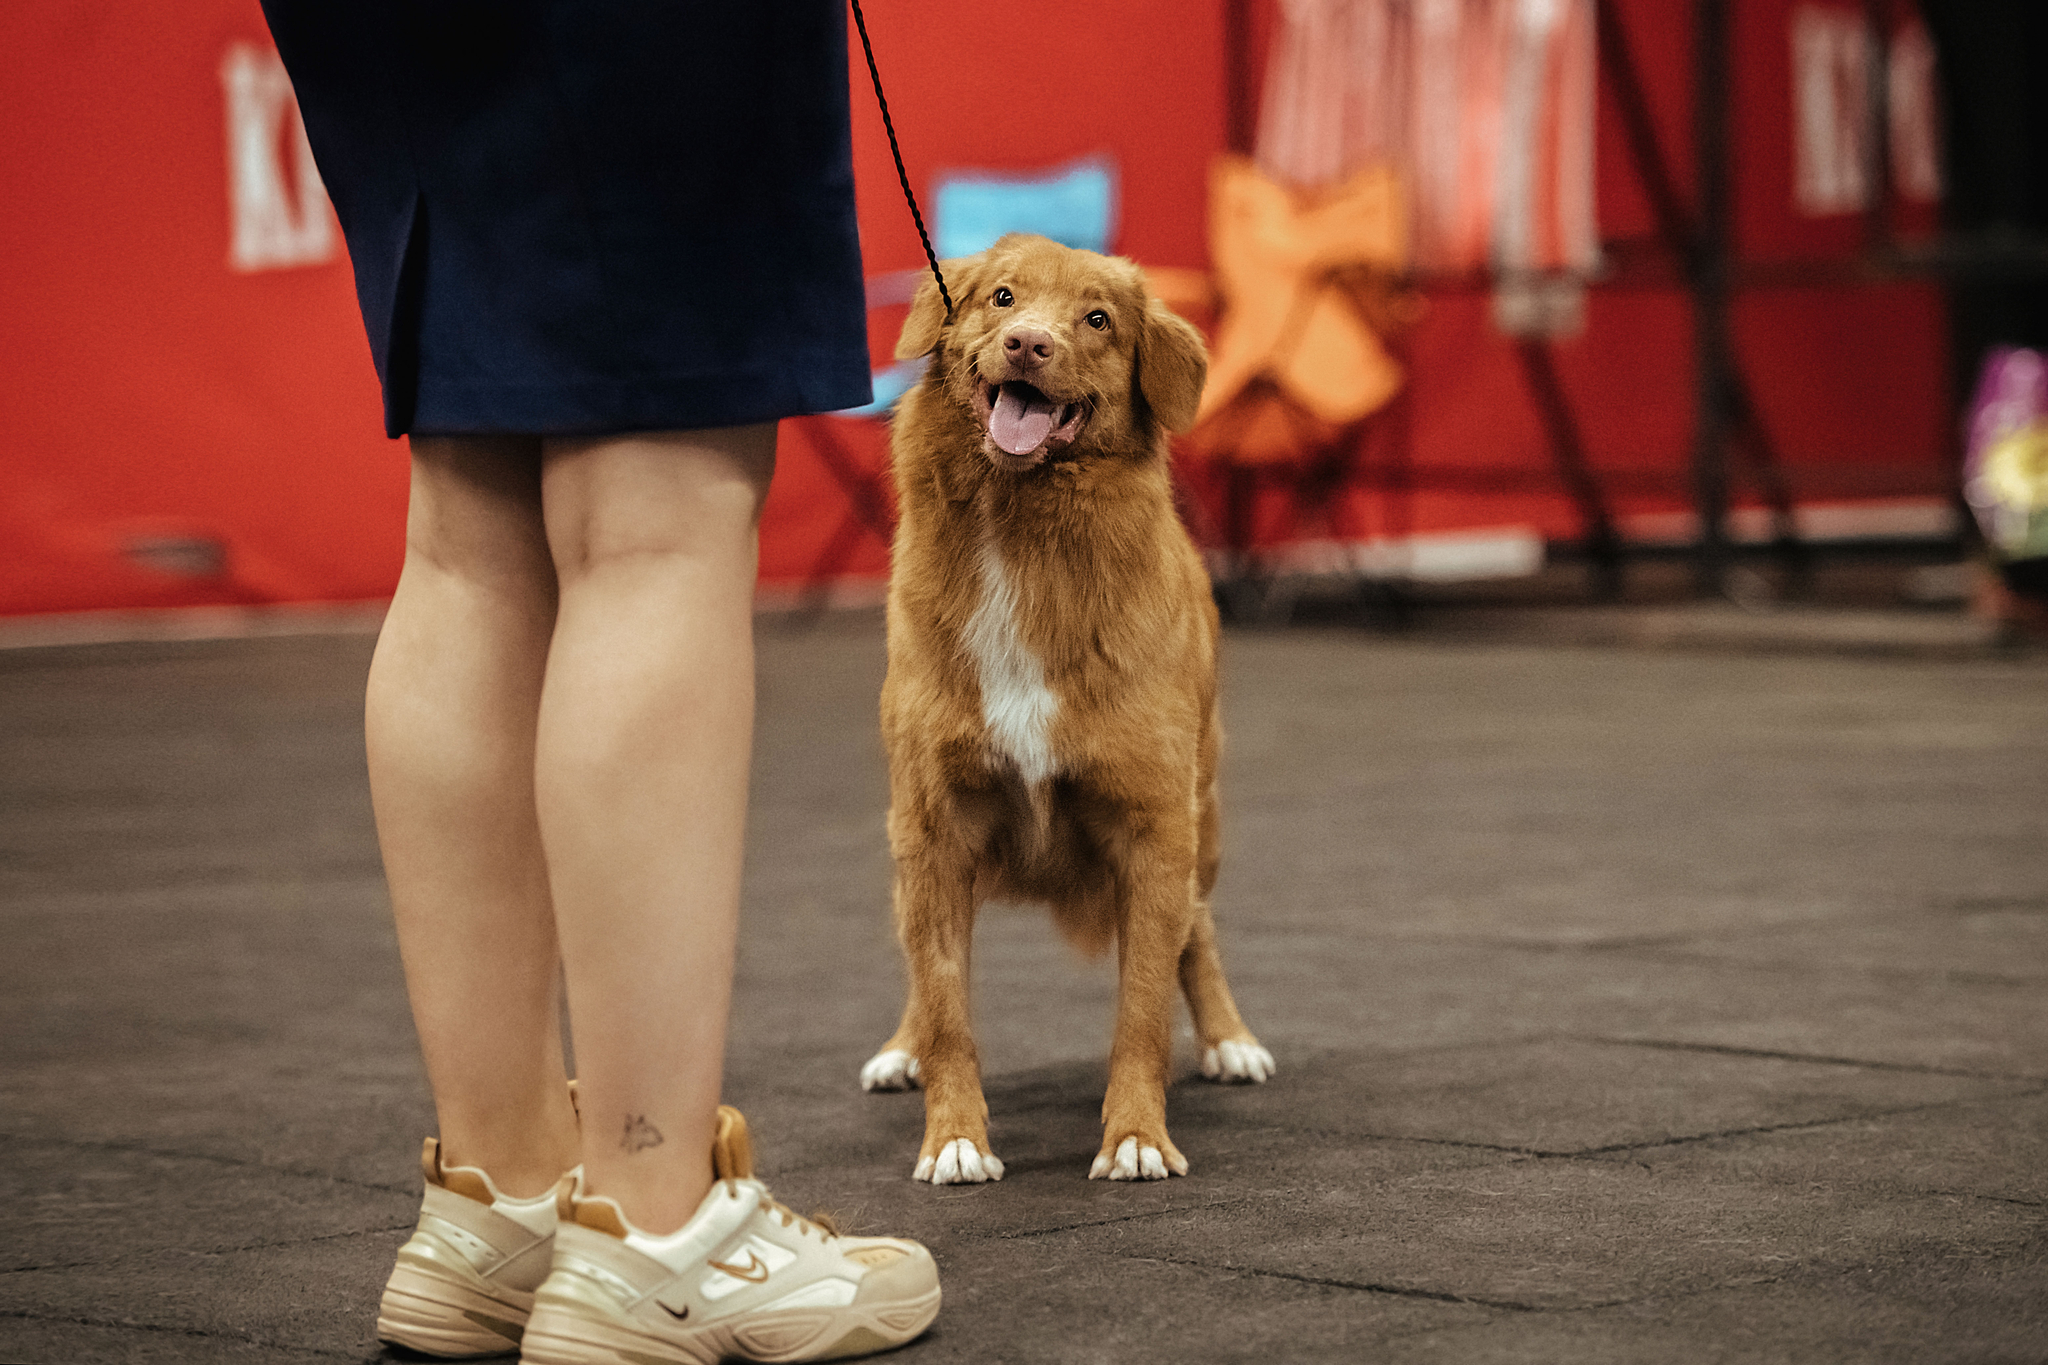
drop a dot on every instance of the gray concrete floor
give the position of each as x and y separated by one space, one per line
1629 1005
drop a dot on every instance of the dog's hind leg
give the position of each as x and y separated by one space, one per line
895 1066
1229 1051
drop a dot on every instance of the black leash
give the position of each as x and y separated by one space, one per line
860 22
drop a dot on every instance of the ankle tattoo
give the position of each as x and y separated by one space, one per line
639 1134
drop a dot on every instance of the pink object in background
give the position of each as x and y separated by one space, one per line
1485 107
2005 469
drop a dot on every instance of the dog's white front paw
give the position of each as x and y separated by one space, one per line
1232 1062
959 1162
1133 1162
890 1069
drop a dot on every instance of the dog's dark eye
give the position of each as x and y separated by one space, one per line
1004 298
1097 319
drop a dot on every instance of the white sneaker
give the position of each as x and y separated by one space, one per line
744 1278
464 1282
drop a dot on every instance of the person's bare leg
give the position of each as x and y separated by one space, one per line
646 728
451 709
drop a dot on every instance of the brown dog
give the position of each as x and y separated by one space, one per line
1050 709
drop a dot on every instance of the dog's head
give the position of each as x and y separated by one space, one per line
1053 349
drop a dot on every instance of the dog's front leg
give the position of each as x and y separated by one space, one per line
935 915
1155 898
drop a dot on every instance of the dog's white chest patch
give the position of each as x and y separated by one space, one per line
1016 705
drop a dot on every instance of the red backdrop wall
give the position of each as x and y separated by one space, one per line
153 395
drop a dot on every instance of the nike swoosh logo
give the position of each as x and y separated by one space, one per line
673 1313
754 1273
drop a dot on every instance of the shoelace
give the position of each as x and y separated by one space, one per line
820 1223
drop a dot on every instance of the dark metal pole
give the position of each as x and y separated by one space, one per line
1568 453
1237 72
1713 360
1625 83
1877 125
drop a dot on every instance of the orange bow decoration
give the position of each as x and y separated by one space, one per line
1288 267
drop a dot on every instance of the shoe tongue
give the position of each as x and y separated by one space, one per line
732 1153
1020 419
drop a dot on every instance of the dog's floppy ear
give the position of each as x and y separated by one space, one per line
928 311
1172 365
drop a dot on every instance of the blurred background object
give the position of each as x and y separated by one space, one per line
1491 284
2006 466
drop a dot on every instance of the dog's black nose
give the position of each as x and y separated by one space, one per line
1028 347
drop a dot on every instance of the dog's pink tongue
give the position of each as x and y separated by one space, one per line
1019 425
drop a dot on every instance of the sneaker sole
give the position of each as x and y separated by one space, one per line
443 1317
560 1335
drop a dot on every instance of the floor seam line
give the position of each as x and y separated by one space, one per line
1675 1293
1681 1141
1122 1218
1988 1198
96 1144
1676 952
1303 1061
1357 1286
1352 1135
1730 1050
76 1320
1650 1145
219 1251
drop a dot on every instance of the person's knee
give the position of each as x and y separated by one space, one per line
682 498
475 512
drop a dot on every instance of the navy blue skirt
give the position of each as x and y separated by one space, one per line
590 217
